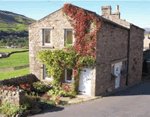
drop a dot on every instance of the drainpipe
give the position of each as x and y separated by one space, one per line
128 50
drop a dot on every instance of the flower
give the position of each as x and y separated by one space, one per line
22 86
46 96
66 87
28 85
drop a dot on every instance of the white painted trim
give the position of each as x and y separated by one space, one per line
47 28
69 81
44 74
65 29
43 37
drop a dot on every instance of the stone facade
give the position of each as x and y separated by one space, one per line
112 46
115 43
57 23
135 53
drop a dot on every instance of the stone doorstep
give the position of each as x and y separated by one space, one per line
78 99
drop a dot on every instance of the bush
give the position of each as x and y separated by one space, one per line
8 109
40 86
51 102
25 87
66 87
46 96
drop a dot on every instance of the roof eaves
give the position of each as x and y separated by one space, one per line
137 27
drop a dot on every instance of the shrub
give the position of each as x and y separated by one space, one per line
32 96
51 102
66 87
8 109
40 86
26 87
46 96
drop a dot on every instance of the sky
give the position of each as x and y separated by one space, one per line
136 12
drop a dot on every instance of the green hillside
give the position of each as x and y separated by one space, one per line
13 21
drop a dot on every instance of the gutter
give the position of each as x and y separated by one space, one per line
128 50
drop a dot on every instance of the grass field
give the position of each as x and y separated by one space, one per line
10 50
16 59
15 73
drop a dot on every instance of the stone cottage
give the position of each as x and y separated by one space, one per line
119 51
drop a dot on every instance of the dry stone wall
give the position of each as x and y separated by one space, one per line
14 97
30 78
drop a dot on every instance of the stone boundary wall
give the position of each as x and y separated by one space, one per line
30 78
13 53
14 68
16 52
14 97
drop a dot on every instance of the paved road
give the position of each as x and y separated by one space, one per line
133 102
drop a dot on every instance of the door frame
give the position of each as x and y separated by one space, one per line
119 75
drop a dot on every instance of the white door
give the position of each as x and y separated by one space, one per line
85 81
117 70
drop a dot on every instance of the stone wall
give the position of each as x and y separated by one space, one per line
30 78
57 23
14 68
135 53
111 46
14 97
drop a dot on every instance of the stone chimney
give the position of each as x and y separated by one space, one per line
117 9
106 12
117 13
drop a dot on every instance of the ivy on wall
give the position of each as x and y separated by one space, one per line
86 27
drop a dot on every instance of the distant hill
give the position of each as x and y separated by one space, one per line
14 21
147 30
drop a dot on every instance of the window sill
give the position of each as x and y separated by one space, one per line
48 46
48 79
68 81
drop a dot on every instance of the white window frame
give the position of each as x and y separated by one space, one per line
65 35
44 74
43 36
69 81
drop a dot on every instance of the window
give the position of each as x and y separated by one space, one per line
68 37
68 75
45 77
124 66
46 36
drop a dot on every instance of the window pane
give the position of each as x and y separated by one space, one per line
68 36
47 35
45 73
69 74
